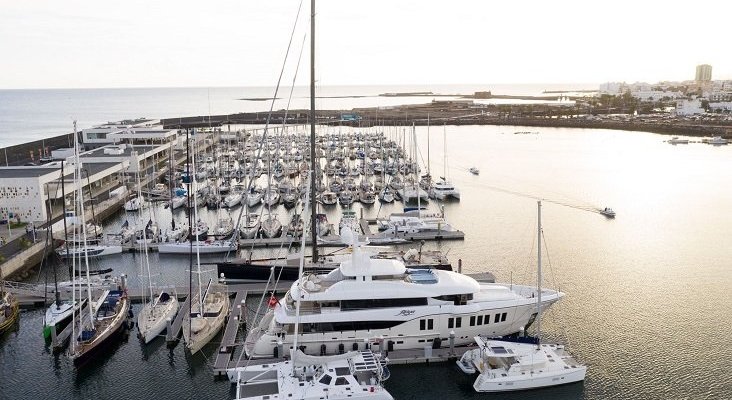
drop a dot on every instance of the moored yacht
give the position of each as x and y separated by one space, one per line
409 308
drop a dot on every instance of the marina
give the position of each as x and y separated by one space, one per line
467 250
363 242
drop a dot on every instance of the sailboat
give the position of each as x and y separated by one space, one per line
107 315
517 365
152 319
208 308
443 188
59 313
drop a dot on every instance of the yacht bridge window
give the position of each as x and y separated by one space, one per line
382 303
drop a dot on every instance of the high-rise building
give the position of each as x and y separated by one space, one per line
703 73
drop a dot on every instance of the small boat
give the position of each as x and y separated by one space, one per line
474 171
677 140
608 212
717 141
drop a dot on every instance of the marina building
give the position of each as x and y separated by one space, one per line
26 191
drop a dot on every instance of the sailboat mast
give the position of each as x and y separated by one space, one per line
189 177
83 225
538 279
299 280
313 161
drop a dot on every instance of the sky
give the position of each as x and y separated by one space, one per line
166 43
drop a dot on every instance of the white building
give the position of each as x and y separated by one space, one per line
139 131
25 190
688 107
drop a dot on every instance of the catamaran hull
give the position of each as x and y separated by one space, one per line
529 381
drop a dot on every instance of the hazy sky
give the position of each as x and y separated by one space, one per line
92 43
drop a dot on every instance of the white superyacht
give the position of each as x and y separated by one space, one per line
367 298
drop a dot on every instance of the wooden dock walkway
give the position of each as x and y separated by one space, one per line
173 331
228 340
396 357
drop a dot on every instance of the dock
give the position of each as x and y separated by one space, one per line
173 331
233 323
426 355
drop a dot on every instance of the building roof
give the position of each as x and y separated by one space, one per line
126 151
26 172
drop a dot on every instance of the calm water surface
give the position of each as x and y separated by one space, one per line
647 304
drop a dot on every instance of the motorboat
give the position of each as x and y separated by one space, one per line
410 308
367 197
474 170
178 201
608 212
677 140
717 141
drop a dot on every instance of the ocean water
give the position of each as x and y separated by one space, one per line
27 115
648 293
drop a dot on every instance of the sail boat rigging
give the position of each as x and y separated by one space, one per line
524 364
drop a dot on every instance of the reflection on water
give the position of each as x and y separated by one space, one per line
647 292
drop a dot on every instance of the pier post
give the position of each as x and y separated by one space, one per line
54 335
280 349
452 343
168 330
460 265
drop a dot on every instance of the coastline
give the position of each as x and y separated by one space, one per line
450 113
